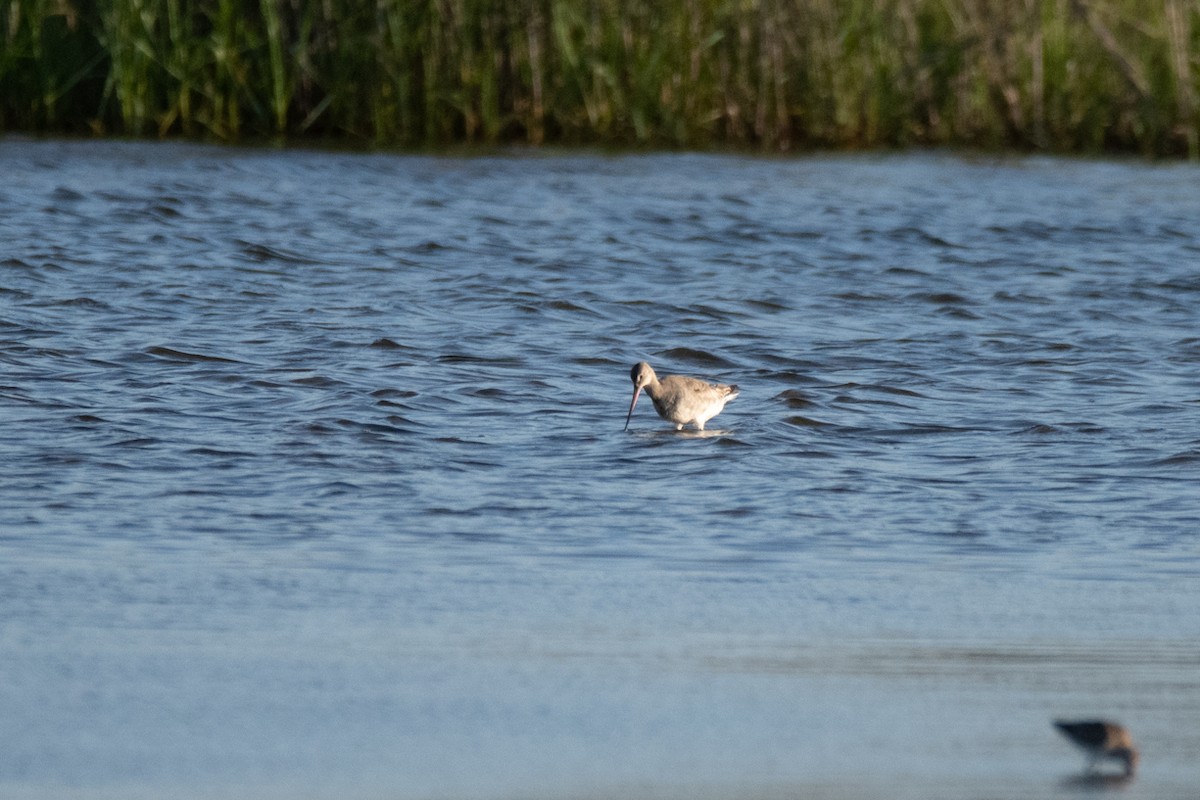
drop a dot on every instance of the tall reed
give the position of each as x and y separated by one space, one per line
1069 75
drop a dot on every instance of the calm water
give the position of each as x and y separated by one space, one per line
315 483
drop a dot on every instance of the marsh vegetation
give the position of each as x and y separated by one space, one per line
1062 75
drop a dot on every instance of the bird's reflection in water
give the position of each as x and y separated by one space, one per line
1097 782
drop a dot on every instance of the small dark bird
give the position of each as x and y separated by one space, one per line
1100 740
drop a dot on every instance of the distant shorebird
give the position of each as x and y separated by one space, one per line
683 401
1101 739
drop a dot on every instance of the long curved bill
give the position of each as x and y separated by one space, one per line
637 390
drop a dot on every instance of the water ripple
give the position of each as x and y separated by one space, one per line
968 399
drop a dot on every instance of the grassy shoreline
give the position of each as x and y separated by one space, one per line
1081 76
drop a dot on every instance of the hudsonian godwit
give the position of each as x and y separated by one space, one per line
677 399
1101 739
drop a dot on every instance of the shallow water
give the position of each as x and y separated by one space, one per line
316 483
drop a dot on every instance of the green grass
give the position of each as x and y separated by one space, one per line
1062 75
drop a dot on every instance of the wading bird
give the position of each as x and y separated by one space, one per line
677 399
1100 740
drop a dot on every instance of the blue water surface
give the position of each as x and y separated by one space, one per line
315 482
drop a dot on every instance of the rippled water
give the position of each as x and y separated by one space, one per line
315 483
